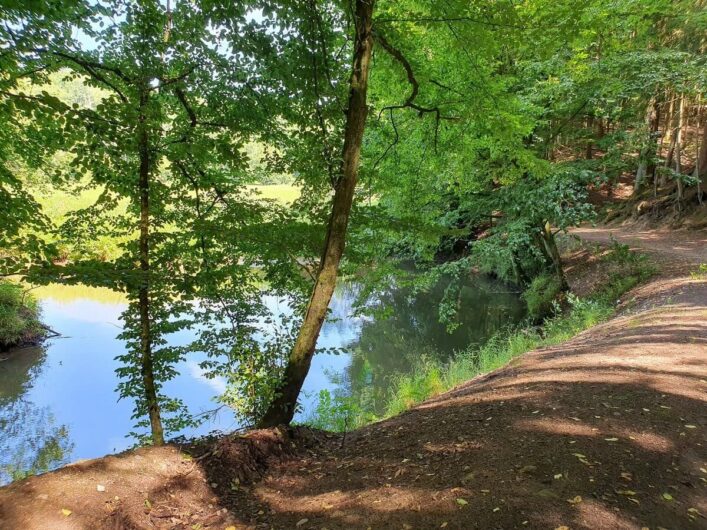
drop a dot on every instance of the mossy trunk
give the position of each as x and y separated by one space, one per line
282 409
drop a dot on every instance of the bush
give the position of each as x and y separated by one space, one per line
541 295
19 316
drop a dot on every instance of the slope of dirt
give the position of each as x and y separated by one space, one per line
687 246
606 431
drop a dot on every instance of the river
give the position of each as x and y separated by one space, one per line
58 401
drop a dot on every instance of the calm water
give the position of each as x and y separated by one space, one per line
58 402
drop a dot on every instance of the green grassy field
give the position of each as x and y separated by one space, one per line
282 193
57 204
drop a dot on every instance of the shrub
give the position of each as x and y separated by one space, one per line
19 316
541 295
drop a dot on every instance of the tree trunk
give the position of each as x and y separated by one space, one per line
553 252
701 161
282 409
589 154
678 147
671 125
655 139
147 370
647 153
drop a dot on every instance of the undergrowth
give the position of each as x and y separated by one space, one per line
19 316
339 412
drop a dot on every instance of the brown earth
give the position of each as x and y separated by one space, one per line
606 431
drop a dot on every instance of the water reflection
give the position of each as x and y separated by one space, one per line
31 441
388 347
59 403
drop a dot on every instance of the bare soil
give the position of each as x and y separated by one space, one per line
606 431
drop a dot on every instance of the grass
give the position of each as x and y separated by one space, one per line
282 193
700 273
19 316
58 204
432 377
69 293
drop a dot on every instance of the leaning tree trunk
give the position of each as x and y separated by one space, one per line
146 361
282 409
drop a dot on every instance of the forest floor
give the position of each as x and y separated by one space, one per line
605 431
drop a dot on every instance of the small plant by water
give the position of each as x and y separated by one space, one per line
19 316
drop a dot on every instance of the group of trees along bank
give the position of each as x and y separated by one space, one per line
451 134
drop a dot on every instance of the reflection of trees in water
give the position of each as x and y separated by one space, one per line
411 330
30 440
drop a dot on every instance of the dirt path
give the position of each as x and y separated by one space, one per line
606 431
688 246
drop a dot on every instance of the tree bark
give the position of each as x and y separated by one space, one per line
678 148
146 361
645 163
701 161
671 125
553 252
282 409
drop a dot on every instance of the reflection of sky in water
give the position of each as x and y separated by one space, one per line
76 382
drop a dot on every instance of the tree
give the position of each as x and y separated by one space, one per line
282 409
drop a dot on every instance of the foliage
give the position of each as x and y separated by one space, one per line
19 316
137 135
542 295
700 273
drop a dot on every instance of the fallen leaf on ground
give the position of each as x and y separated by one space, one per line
66 512
462 502
575 500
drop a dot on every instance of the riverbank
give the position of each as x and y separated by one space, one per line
20 323
606 430
613 271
